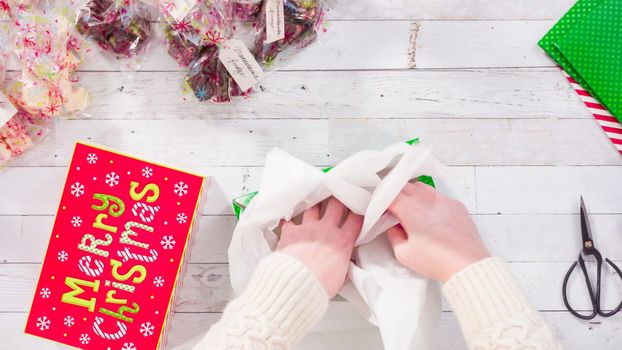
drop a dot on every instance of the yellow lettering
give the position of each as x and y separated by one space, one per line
99 224
139 196
141 270
76 289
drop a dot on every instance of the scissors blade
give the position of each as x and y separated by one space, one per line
586 229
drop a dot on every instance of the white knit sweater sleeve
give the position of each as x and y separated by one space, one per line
284 300
493 312
281 303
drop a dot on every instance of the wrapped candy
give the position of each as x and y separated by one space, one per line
122 27
198 36
180 48
246 10
206 23
193 39
49 53
20 134
302 19
19 130
209 79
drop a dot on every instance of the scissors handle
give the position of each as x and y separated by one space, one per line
594 296
619 307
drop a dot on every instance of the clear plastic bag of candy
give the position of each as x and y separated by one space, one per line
19 130
194 34
49 52
121 28
189 28
282 34
279 29
246 10
198 33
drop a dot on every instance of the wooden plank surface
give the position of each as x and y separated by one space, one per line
522 147
449 9
384 45
488 93
325 141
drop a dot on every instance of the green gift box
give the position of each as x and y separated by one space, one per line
242 202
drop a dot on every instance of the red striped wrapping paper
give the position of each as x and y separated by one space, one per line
611 126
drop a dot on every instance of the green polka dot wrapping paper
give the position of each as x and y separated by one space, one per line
587 44
116 253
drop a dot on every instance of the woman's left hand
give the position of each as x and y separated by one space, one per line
323 244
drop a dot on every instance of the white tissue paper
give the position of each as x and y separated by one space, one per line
402 308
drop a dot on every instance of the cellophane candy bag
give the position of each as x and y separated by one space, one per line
49 52
193 37
19 131
246 10
197 34
303 21
122 28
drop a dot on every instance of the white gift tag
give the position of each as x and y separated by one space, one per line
7 110
275 24
241 64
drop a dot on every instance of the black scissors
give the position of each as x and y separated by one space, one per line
594 292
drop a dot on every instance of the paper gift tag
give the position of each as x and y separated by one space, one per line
240 63
275 23
7 110
115 254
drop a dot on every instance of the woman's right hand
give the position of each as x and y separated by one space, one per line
436 236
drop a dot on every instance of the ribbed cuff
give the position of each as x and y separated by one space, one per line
288 294
482 294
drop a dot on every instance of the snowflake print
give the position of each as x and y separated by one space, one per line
182 218
201 93
182 26
53 108
43 323
91 158
77 189
214 38
112 179
128 346
76 221
158 281
167 242
45 293
146 329
62 256
147 172
181 188
69 321
84 338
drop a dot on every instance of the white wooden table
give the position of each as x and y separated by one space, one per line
494 106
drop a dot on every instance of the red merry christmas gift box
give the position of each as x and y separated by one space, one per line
116 252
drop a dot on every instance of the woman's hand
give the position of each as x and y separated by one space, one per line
437 236
322 244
